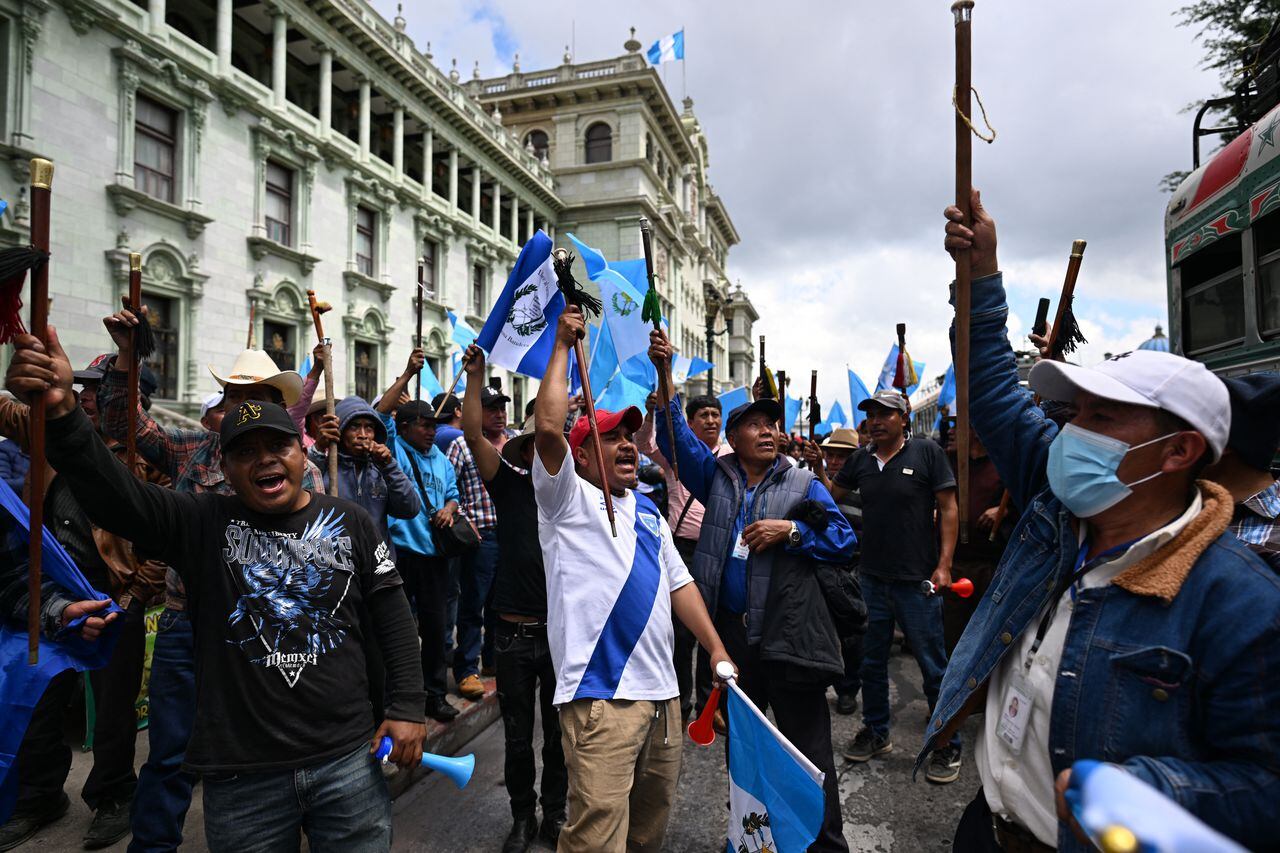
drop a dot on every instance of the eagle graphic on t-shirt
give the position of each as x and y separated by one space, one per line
290 590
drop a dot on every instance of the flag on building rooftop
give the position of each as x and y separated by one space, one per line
667 49
775 793
521 329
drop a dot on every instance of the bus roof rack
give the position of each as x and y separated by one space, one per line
1255 95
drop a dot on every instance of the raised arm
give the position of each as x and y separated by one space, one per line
1012 427
298 411
552 404
153 518
488 460
696 461
391 397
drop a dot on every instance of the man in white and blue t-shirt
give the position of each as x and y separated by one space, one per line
609 606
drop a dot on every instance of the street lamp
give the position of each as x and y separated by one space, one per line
713 302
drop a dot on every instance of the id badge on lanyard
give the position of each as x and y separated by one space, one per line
1016 707
740 549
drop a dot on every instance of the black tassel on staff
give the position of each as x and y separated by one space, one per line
591 307
1066 331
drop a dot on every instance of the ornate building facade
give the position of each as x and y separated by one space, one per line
252 150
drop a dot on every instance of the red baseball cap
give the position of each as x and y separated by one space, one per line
606 421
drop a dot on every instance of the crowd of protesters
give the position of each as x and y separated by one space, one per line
1123 556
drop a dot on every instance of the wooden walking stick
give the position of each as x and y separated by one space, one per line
1063 337
652 313
318 308
135 359
417 394
782 398
41 184
575 295
248 338
815 409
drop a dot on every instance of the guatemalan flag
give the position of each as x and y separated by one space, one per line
775 793
667 49
521 328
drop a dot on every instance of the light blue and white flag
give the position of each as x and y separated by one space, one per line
622 298
775 793
946 394
792 412
731 400
305 367
836 416
683 366
667 49
891 365
521 328
463 335
622 392
430 382
455 365
857 393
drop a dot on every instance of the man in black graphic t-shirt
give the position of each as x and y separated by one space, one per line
276 577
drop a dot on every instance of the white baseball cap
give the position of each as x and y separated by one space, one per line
1157 380
213 401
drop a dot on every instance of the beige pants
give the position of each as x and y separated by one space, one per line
623 759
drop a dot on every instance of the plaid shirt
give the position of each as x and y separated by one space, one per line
190 458
1254 524
476 503
13 583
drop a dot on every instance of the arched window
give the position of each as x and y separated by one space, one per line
538 143
599 143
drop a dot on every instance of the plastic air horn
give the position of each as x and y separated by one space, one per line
961 588
702 730
458 769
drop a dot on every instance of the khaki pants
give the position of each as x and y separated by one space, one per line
623 759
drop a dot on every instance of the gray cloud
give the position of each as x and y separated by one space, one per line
832 144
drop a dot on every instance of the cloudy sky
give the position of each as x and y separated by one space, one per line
831 137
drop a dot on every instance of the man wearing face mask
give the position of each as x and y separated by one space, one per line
1125 618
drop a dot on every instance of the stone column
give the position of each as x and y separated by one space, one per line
497 208
326 90
279 52
453 179
528 221
365 93
515 219
475 193
156 10
397 140
428 158
224 36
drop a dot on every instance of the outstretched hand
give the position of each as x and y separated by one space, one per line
36 368
120 326
94 625
979 237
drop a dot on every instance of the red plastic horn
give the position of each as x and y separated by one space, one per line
962 587
702 730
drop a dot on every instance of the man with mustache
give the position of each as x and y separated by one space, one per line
609 605
767 525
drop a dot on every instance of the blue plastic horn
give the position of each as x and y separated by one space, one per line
458 769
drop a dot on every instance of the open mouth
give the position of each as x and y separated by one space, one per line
625 463
271 484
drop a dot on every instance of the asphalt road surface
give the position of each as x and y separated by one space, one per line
883 809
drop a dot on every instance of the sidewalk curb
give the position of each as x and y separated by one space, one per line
450 738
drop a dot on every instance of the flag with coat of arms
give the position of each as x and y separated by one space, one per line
520 331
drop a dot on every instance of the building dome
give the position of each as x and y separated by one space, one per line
1157 342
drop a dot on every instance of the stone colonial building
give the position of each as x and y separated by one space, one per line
254 149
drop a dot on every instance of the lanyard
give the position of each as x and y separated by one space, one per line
1070 581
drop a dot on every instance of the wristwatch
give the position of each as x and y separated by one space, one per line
793 538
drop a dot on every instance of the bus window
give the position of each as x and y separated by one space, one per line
1266 243
1213 296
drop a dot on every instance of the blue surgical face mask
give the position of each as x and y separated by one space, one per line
1082 470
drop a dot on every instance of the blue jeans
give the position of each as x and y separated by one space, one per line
920 617
340 805
164 789
478 569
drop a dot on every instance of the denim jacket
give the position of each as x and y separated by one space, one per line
1172 671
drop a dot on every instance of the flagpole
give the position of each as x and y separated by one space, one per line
653 313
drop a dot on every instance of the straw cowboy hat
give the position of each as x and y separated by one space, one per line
255 367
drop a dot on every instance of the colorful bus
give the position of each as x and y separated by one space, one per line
1222 233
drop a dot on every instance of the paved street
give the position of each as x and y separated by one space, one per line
883 809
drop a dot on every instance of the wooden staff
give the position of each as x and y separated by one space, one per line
417 394
248 338
1068 293
462 366
318 308
782 398
963 13
41 182
562 261
135 359
655 316
815 410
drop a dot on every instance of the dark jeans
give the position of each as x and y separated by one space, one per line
340 805
526 679
851 682
687 649
428 577
920 617
801 712
475 628
164 788
44 759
